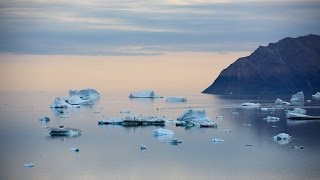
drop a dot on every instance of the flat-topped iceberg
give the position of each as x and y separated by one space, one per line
60 103
161 131
316 95
136 120
282 138
77 100
64 131
295 112
85 94
144 94
249 104
297 99
176 99
271 119
280 102
196 117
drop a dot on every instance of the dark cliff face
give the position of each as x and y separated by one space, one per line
288 66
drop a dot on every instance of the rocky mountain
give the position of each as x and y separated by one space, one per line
288 66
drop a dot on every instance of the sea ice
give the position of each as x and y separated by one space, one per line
215 140
144 94
176 99
161 131
297 99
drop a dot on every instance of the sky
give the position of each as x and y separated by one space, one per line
150 27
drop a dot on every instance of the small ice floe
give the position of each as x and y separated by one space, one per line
161 131
316 95
28 165
85 94
60 103
250 105
76 100
174 141
143 147
136 120
271 119
279 102
282 138
176 99
64 131
274 126
297 99
297 147
272 109
216 141
197 118
45 120
75 149
144 94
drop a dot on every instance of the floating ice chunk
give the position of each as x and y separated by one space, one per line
296 112
297 147
161 131
136 120
45 120
76 100
215 140
29 165
248 104
125 112
316 95
85 94
75 149
60 103
196 117
271 119
176 99
280 102
268 109
297 99
282 138
143 147
64 131
144 94
309 101
174 141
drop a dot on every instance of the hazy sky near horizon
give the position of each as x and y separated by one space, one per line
144 27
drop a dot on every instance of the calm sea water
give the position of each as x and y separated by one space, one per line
113 152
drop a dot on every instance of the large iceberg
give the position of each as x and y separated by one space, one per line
197 117
280 102
85 94
60 103
176 99
136 120
144 94
316 95
77 100
297 99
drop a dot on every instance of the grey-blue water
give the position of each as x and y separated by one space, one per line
113 152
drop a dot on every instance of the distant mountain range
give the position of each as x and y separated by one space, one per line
288 66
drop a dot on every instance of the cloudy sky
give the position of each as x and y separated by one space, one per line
150 27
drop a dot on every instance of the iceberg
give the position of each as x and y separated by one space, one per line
215 140
176 99
252 105
60 103
282 138
272 109
196 117
136 120
74 149
76 100
29 165
161 131
280 102
143 147
295 112
144 94
64 131
271 119
297 99
85 94
316 95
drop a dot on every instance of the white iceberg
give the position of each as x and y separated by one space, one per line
215 140
161 131
136 120
85 94
251 105
60 103
30 165
282 138
297 99
295 112
176 99
268 109
271 119
280 102
76 100
197 117
75 149
144 94
316 95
